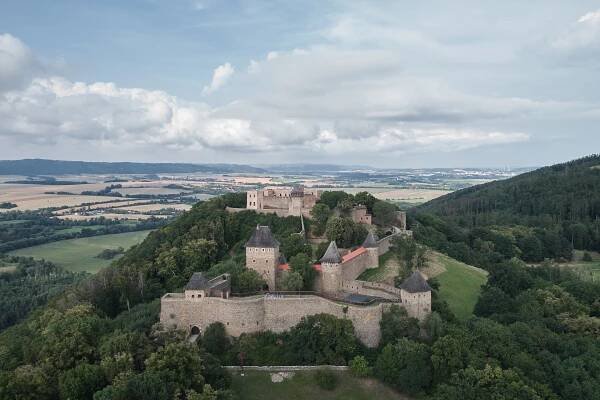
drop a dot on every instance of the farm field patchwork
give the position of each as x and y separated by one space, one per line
80 254
258 385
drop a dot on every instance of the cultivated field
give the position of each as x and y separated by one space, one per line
80 254
34 197
259 385
404 195
156 206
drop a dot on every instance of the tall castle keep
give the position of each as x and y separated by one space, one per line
337 291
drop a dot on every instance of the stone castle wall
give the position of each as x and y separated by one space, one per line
268 312
372 289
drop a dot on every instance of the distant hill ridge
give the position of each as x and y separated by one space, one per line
564 192
33 167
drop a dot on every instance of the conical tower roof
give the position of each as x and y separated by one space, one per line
332 255
370 241
416 283
262 237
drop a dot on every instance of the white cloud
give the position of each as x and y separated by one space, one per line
221 75
584 35
17 63
322 99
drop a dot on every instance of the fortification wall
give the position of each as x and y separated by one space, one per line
270 312
371 289
353 268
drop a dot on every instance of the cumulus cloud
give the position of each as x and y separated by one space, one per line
221 75
322 99
17 63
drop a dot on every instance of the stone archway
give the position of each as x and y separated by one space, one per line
195 330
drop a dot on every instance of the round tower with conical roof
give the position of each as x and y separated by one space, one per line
331 266
372 247
262 255
416 295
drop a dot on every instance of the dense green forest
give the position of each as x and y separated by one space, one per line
534 335
543 214
26 284
19 229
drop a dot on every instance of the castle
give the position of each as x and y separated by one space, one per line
282 201
299 201
337 291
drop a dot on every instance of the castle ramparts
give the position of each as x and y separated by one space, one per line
336 291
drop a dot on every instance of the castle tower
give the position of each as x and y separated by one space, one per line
296 201
370 244
331 264
262 254
254 199
416 295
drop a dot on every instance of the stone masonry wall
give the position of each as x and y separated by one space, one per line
372 289
269 312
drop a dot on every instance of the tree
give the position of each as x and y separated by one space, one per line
215 339
81 382
181 362
248 281
27 382
333 198
69 337
395 323
384 213
493 300
405 249
321 339
292 282
345 232
450 354
405 365
434 326
301 264
359 367
488 383
366 199
320 214
295 244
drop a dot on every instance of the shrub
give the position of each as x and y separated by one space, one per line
587 256
359 367
326 379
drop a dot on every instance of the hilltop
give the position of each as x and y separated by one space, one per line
33 167
538 215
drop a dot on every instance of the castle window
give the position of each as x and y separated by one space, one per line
192 296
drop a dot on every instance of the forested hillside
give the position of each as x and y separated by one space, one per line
542 214
535 335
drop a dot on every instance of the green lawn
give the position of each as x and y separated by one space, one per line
379 273
80 254
257 385
460 285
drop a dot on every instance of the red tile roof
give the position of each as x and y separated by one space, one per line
353 254
286 267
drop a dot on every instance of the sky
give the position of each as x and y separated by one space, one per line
388 84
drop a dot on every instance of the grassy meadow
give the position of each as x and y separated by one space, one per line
80 254
257 385
460 285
